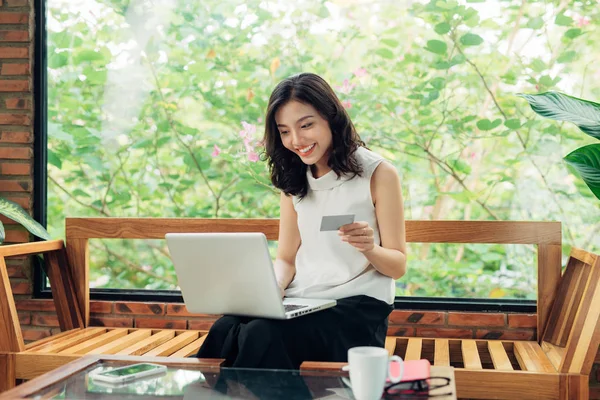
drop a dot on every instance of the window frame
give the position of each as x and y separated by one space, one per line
40 201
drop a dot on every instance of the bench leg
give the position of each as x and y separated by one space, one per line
578 387
7 371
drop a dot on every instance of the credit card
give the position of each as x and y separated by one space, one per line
334 222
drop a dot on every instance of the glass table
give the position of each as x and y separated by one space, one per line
193 379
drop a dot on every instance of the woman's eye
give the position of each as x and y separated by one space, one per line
307 125
282 132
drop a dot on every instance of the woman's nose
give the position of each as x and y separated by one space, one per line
295 137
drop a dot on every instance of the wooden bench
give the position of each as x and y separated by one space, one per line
557 364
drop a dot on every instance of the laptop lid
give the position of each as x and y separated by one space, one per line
226 273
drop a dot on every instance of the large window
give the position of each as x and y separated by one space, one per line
155 108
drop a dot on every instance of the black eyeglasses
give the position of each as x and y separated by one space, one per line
417 389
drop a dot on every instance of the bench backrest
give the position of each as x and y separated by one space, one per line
572 335
72 277
545 235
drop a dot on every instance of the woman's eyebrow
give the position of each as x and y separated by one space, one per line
300 120
303 118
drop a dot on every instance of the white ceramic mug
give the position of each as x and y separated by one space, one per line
369 367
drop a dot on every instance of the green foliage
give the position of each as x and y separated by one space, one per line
586 115
147 101
15 212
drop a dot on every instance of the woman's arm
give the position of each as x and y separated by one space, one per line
289 242
389 258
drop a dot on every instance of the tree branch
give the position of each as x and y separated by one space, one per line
97 209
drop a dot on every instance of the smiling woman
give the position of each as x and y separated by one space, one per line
311 142
157 109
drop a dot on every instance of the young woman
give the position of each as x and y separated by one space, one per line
322 167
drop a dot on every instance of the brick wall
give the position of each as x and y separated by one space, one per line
38 317
16 134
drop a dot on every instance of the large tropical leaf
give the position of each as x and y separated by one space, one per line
16 213
586 160
583 113
2 234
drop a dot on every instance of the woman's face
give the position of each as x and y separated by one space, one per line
304 132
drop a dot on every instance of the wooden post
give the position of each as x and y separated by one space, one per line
7 371
11 338
78 256
549 273
63 290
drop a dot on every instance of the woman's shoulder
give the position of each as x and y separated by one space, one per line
368 159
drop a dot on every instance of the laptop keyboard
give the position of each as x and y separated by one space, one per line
293 307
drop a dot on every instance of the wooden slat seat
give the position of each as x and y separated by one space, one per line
121 341
555 366
59 349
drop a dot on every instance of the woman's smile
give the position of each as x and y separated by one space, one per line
307 151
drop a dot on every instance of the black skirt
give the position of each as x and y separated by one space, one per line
284 344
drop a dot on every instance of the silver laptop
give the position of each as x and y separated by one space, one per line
232 273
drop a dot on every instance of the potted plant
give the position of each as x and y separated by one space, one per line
586 115
15 212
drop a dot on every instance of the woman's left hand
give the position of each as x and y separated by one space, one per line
358 234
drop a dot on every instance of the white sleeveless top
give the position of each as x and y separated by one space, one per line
326 267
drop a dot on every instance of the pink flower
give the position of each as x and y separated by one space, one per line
347 105
248 131
360 72
216 151
252 156
583 21
346 87
248 145
259 120
247 134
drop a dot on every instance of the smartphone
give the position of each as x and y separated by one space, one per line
128 372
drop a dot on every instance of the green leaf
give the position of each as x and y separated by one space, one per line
567 56
57 60
323 12
538 65
460 166
79 192
457 59
432 96
441 65
436 46
471 39
16 213
390 42
54 159
563 20
573 33
438 83
442 28
385 53
487 125
535 23
88 55
513 123
558 106
2 233
586 161
547 81
143 144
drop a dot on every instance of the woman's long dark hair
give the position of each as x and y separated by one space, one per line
288 172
